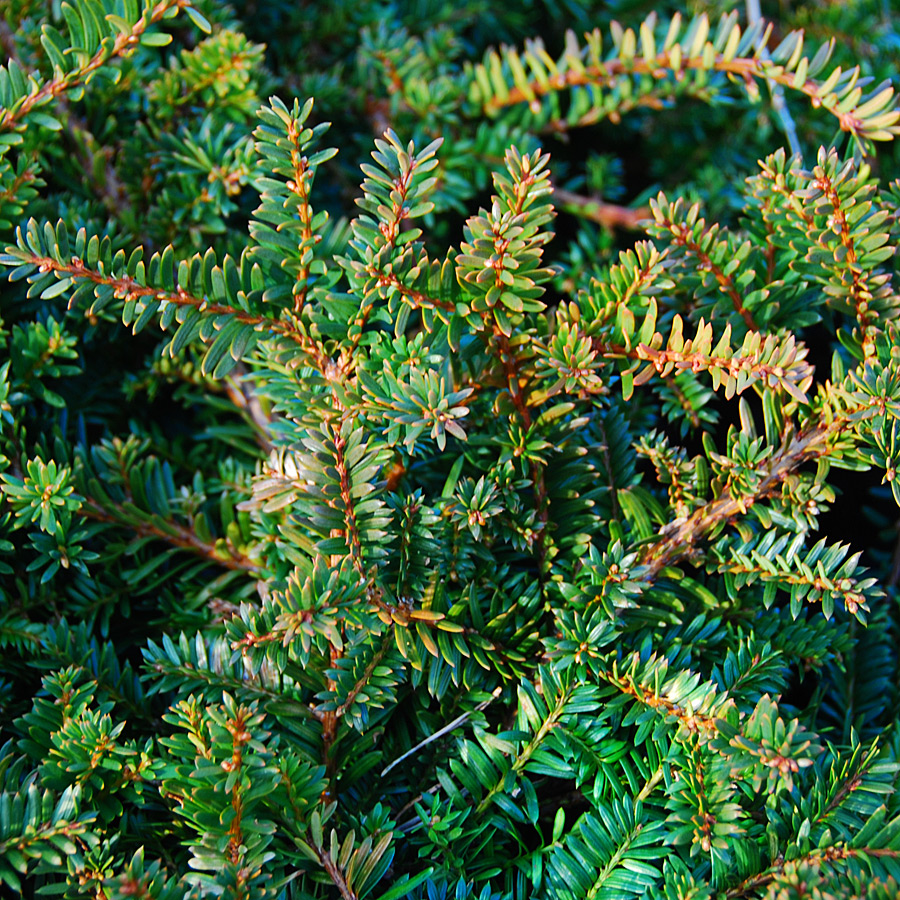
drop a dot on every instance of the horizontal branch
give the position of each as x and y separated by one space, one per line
844 587
667 63
124 42
826 855
176 535
666 361
127 287
609 215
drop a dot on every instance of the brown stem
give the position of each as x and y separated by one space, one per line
170 532
676 491
850 785
609 215
50 90
859 292
419 299
366 675
335 873
844 587
352 528
27 175
824 855
239 737
126 286
694 722
300 186
698 362
509 361
684 237
807 445
605 74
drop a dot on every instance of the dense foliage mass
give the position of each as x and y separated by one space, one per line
369 541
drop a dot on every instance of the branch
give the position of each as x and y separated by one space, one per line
683 236
790 372
122 44
334 873
807 445
751 886
528 750
609 215
694 722
300 185
418 299
860 292
673 64
367 673
127 287
176 535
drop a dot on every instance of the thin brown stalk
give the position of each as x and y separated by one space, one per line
52 89
609 215
744 69
126 286
680 541
171 533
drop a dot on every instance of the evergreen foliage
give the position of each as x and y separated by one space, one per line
371 541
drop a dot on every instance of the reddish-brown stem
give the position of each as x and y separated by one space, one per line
707 820
300 186
50 90
510 363
844 587
609 215
171 533
682 235
26 176
352 528
859 292
807 445
126 286
695 362
742 68
676 489
239 737
751 886
693 721
419 299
